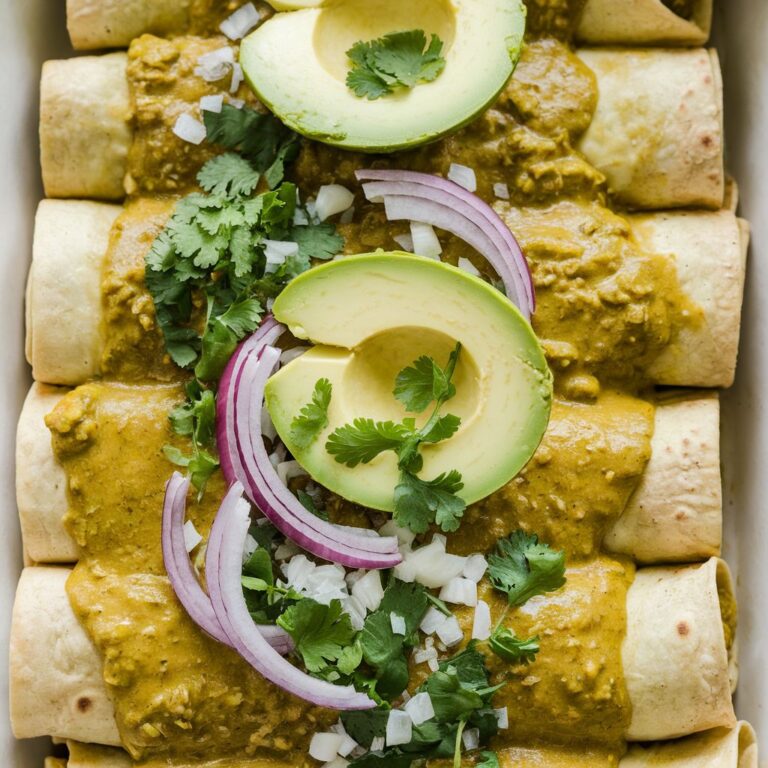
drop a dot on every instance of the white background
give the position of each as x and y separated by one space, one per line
33 30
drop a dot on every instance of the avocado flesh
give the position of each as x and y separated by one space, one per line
372 315
296 63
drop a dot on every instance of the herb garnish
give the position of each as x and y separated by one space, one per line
461 694
395 61
418 502
313 418
522 567
207 271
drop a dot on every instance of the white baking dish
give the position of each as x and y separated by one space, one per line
33 30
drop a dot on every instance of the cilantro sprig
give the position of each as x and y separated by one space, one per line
393 62
524 567
506 645
313 418
418 502
207 270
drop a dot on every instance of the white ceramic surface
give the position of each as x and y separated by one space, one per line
32 30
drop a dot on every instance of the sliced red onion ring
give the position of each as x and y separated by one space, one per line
183 577
223 566
279 505
245 459
459 206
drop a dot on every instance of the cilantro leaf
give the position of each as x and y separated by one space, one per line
506 645
317 241
423 383
229 175
261 139
523 567
490 760
309 504
321 632
395 61
313 419
443 428
418 502
242 317
196 417
363 440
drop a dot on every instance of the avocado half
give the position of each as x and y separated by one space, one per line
296 62
372 315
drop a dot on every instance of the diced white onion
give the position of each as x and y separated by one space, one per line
397 623
404 535
287 470
212 103
405 242
215 65
348 744
348 215
420 708
433 664
368 590
325 746
277 251
502 718
433 619
356 612
191 537
322 583
460 591
430 565
421 655
291 354
399 728
286 551
241 22
475 567
251 545
267 427
332 199
463 176
481 627
471 738
300 217
450 632
378 743
425 241
501 191
468 266
187 128
337 762
439 538
237 103
237 78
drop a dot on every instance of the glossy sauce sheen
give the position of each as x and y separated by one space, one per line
605 311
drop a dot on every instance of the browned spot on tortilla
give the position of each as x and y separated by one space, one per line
683 629
84 703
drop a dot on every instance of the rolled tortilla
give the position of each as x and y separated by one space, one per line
675 658
719 748
675 515
64 290
643 22
94 24
41 483
85 131
657 133
709 250
57 687
680 625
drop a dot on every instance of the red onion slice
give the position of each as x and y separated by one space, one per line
506 257
279 505
182 575
225 551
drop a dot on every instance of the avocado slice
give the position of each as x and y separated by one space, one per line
369 317
296 62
